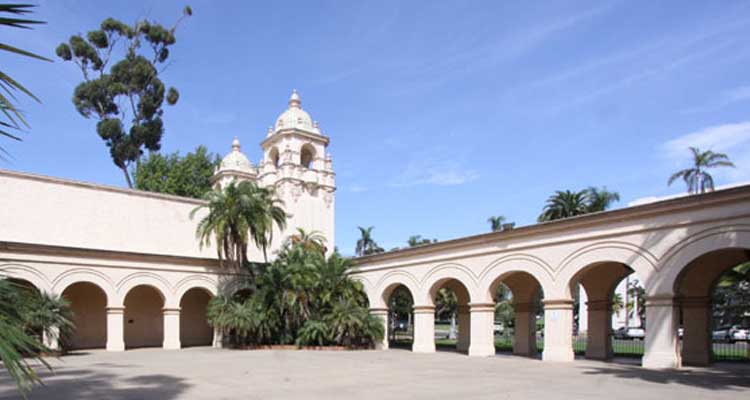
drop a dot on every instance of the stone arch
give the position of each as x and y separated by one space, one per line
194 327
88 302
24 272
71 277
273 156
503 267
390 281
689 249
149 279
443 273
144 305
639 260
307 156
193 282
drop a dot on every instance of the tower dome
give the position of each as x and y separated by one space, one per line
295 117
235 160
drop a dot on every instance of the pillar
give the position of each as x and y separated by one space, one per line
598 336
482 321
524 336
696 337
115 328
382 313
558 330
661 333
171 328
424 329
464 328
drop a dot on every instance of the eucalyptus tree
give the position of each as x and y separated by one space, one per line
187 176
696 178
238 214
127 99
12 118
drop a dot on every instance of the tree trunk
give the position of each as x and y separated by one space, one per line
127 176
452 333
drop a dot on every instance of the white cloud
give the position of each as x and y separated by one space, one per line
430 171
726 98
732 139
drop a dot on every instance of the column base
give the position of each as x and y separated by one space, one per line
382 345
666 360
115 346
423 348
481 351
558 355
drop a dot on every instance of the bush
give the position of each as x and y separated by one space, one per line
301 298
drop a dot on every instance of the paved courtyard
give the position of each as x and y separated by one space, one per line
205 373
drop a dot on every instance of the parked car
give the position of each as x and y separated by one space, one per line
730 333
630 333
498 328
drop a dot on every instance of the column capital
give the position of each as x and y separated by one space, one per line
482 307
115 310
171 310
558 304
379 310
662 300
424 309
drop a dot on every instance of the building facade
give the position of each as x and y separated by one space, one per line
129 261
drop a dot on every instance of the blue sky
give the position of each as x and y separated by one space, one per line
440 114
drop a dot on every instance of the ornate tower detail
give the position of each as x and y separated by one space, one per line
296 163
235 166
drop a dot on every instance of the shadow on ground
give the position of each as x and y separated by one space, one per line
728 376
94 384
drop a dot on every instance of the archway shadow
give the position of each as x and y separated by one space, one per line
94 384
726 376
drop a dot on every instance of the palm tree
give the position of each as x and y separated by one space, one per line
600 199
696 178
237 214
13 118
309 241
496 223
15 340
366 244
564 204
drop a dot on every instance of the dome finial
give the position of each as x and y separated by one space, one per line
236 144
294 100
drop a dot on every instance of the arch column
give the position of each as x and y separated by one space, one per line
171 328
424 329
115 328
524 343
598 338
662 316
558 330
696 338
464 328
482 321
382 313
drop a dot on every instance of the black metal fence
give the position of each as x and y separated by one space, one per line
722 350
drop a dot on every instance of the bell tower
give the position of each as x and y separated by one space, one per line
296 163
